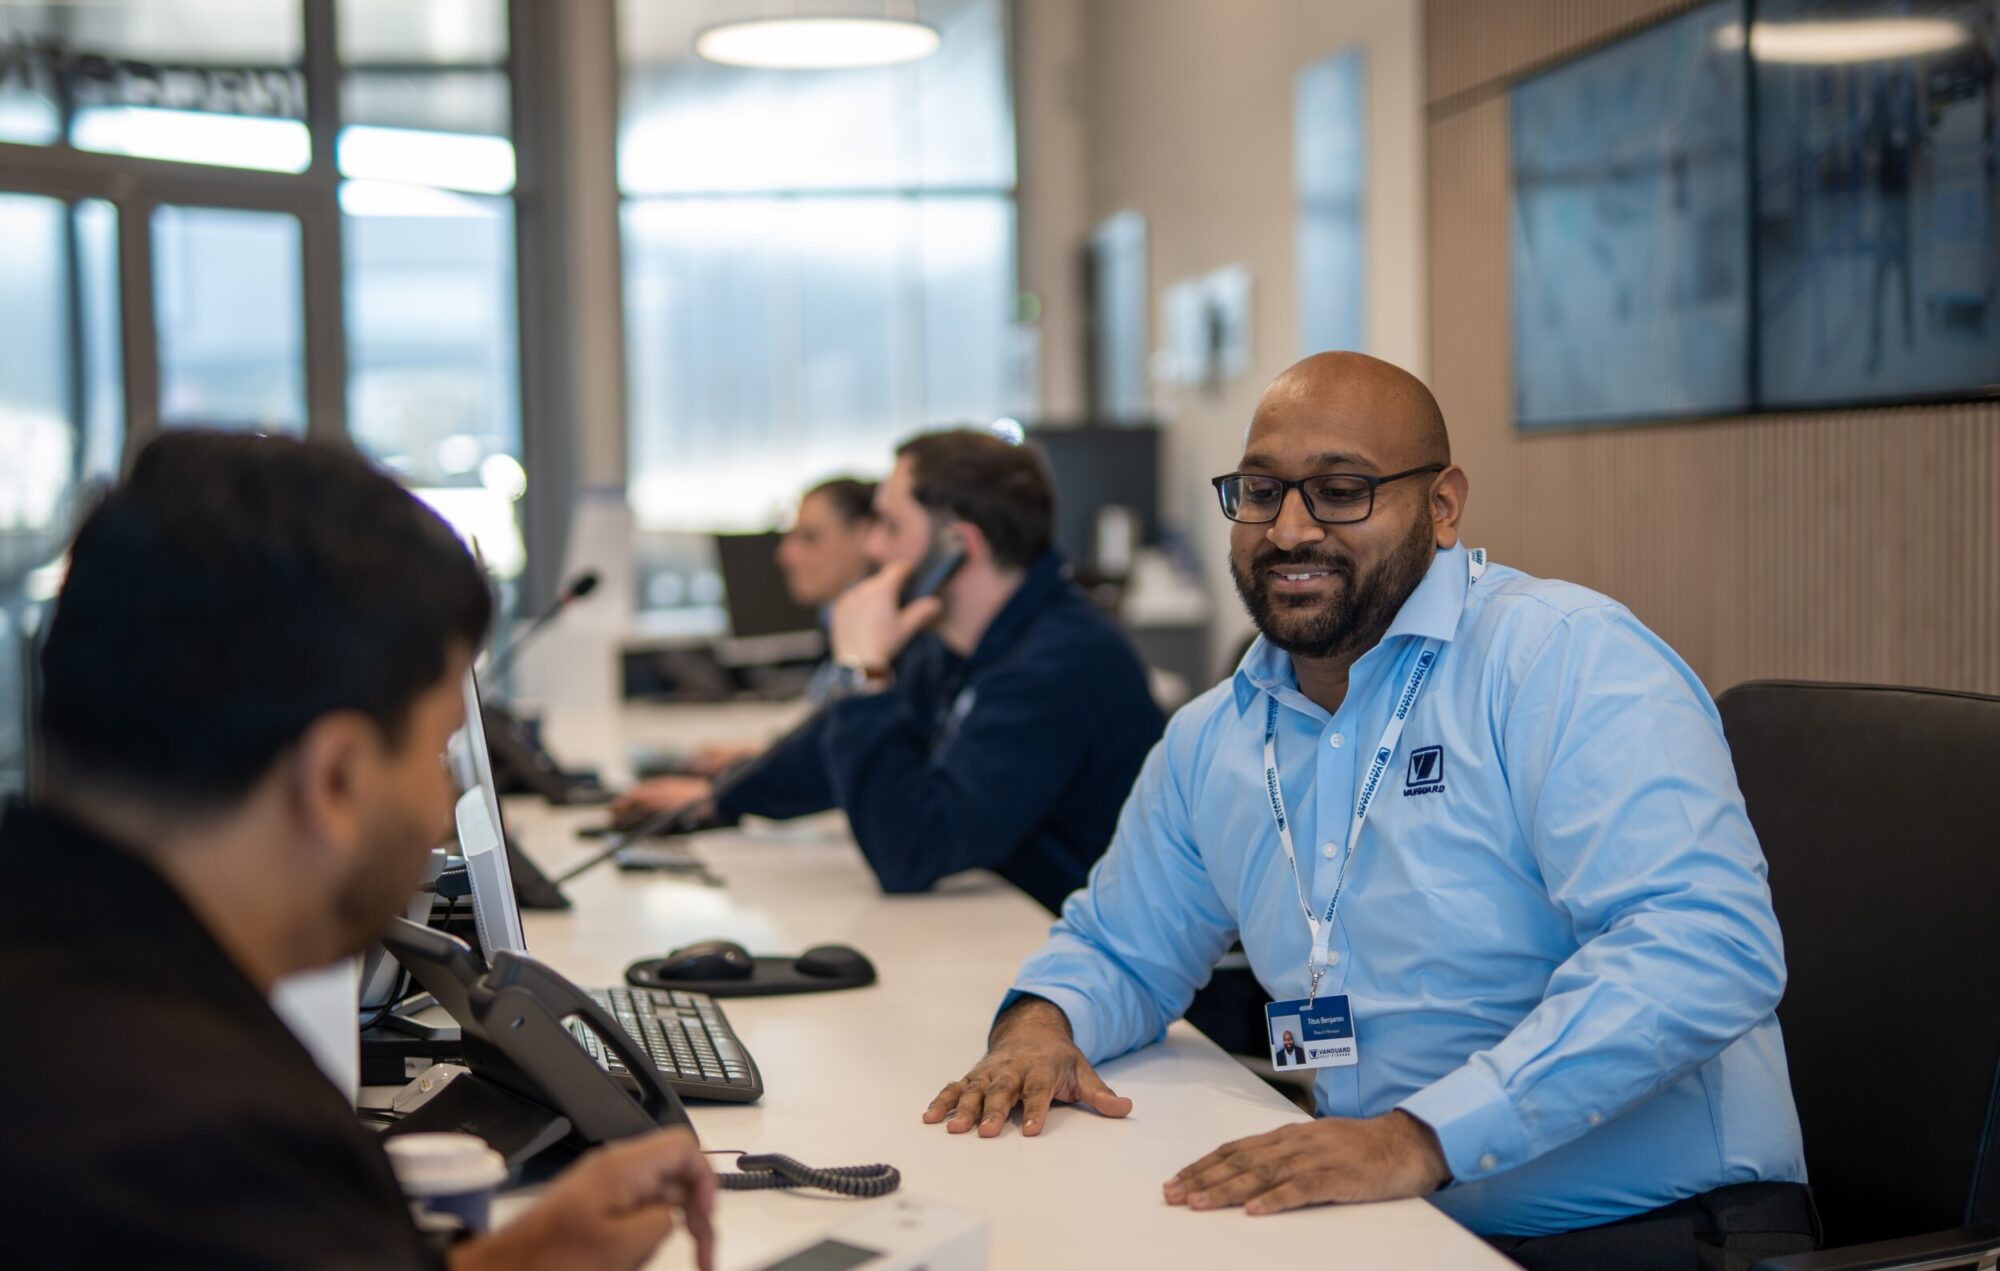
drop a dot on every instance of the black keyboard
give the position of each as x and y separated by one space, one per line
687 1037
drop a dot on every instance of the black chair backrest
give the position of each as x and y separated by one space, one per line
1879 811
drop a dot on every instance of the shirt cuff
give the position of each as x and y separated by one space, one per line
1476 1125
1074 1006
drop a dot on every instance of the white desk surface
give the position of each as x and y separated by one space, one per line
847 1074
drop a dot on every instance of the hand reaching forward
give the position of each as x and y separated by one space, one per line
610 1209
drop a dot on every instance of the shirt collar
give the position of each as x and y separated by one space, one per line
1430 613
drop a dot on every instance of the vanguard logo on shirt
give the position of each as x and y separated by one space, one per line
1426 771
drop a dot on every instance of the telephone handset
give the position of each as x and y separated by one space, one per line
946 555
531 1083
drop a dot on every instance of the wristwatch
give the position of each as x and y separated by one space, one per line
851 677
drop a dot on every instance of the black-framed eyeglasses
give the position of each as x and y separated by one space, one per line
1332 498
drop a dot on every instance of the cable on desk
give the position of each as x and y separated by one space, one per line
771 1170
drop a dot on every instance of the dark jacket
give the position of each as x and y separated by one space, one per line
1016 759
156 1111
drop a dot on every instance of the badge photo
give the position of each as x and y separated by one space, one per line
1317 1034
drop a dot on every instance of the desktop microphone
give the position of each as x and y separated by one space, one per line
579 587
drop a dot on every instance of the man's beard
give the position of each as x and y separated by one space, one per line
1355 616
384 880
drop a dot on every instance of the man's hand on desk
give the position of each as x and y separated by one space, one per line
1031 1060
660 794
610 1209
1332 1159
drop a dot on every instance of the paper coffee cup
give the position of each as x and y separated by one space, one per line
448 1176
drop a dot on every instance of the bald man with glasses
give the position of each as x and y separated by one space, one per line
1481 839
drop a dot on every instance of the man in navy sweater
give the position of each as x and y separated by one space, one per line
998 724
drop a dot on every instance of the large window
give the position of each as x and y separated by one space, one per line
227 304
817 263
312 240
217 82
428 232
1330 170
61 417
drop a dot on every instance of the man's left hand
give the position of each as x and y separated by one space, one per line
660 794
1332 1159
870 626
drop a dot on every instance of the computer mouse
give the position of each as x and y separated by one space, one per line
835 962
707 960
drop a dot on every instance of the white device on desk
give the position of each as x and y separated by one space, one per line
482 834
904 1234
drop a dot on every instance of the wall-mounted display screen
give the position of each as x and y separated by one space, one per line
1878 200
1631 269
1760 205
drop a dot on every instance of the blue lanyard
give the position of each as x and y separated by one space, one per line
1321 926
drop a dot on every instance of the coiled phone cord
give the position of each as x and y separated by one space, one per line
768 1170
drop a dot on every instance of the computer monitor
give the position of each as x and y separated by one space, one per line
482 834
1629 245
754 588
1097 466
1878 209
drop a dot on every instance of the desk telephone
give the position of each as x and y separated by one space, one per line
531 1083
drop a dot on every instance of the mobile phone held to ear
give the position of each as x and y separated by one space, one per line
946 555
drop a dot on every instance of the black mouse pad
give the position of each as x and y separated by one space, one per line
772 976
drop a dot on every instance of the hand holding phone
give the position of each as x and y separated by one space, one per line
879 615
946 555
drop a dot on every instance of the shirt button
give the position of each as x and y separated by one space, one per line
1333 958
1596 1118
1488 1161
1327 850
1336 741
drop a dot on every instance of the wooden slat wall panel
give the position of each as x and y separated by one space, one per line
1851 545
1475 44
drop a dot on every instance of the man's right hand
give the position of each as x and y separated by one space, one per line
1031 1059
610 1209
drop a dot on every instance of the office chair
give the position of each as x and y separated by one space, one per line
1879 811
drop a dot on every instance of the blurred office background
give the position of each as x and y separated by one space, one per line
1705 289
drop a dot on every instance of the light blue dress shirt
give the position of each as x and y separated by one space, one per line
1555 933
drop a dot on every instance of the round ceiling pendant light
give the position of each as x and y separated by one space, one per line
1833 42
817 43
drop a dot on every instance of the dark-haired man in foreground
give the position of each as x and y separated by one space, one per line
251 676
997 724
1480 836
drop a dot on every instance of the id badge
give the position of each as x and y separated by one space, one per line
1320 1035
